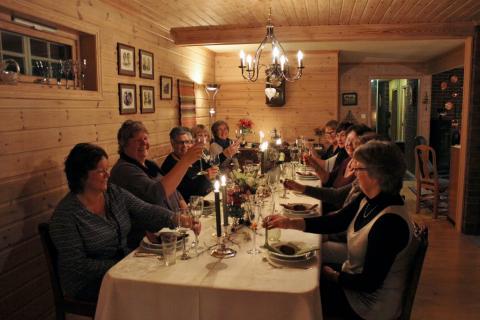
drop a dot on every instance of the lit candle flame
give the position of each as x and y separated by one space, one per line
216 186
223 180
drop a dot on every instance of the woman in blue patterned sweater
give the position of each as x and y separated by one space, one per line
90 224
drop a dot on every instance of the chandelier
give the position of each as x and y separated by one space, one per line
275 72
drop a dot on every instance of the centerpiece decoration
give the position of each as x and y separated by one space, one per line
242 186
245 127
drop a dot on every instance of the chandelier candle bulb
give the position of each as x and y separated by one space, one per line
300 59
262 135
223 187
282 62
242 59
249 62
216 190
275 53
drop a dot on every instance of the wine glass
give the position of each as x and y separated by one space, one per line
196 208
204 157
283 175
254 214
214 160
184 223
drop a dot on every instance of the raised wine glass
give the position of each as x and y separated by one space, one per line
184 223
196 208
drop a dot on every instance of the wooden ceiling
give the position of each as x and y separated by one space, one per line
254 13
228 22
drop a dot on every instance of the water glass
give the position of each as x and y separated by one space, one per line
184 223
169 247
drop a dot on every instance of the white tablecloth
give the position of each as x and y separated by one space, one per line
242 287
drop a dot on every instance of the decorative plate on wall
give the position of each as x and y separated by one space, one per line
444 85
454 79
449 105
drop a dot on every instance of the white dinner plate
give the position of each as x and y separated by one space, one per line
291 257
307 177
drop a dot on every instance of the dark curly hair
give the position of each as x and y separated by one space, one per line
81 159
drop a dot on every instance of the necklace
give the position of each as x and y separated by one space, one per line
367 212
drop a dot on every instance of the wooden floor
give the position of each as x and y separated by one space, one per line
449 286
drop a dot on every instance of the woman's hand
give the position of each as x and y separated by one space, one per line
212 172
282 222
292 185
231 150
194 153
330 274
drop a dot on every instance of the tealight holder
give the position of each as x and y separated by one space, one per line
221 250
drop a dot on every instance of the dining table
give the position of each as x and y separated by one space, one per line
242 287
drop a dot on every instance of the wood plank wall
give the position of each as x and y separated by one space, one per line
310 102
39 125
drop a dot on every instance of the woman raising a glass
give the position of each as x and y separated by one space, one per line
224 147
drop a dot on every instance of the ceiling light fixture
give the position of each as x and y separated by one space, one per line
212 89
278 69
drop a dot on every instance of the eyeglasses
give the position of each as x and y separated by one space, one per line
102 171
330 133
358 169
187 142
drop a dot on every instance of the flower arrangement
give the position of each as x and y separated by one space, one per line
245 125
247 181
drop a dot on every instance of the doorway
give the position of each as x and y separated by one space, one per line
394 106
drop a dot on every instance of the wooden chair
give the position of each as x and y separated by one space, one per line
421 234
427 177
63 304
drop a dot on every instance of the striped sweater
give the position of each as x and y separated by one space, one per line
89 244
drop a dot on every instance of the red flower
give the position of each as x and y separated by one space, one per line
245 124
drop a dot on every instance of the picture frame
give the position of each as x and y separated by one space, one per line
147 99
127 98
166 87
146 64
349 99
126 60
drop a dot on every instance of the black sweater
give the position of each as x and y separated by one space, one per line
388 236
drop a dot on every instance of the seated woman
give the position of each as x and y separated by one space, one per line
194 182
224 147
341 175
323 167
89 227
333 198
330 132
144 178
380 240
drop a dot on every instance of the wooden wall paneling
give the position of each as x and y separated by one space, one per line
317 93
40 125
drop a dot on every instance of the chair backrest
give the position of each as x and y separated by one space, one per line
421 233
51 255
425 163
418 140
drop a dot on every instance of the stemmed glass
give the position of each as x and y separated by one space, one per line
254 214
283 175
204 157
184 223
196 208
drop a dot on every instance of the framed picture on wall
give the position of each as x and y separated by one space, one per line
147 99
145 64
166 84
349 99
126 60
127 94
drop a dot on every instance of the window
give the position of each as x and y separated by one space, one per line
36 57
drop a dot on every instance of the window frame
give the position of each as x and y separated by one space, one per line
60 37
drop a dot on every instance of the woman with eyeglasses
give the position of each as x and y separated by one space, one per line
197 179
143 177
380 242
331 136
89 226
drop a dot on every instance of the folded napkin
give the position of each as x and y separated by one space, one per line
299 206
